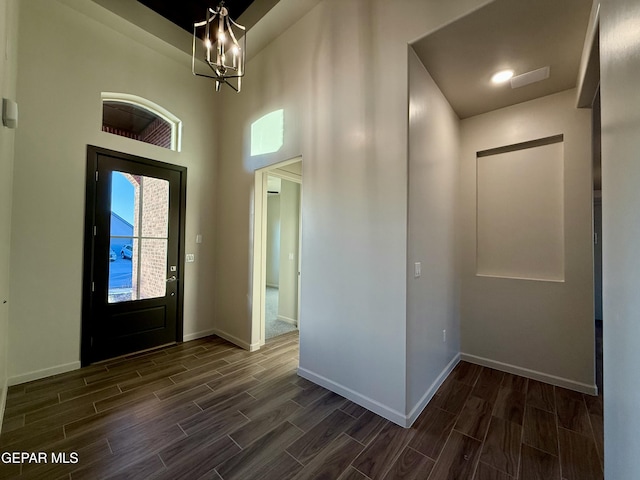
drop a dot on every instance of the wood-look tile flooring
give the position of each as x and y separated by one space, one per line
208 410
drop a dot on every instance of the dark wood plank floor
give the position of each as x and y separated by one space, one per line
207 409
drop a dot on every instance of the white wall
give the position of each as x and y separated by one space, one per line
536 328
66 59
620 69
8 75
350 123
273 240
289 239
433 298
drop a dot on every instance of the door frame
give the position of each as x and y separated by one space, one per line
89 222
259 283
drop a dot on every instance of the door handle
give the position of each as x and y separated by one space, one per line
172 278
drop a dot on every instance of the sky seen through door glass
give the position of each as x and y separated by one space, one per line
122 201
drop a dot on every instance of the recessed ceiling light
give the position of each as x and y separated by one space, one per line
502 76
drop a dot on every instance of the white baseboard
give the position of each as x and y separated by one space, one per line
196 335
533 374
362 400
431 391
376 407
252 347
292 321
45 372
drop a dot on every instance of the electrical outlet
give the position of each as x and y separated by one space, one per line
444 336
190 258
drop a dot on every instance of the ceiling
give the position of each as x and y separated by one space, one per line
185 13
522 35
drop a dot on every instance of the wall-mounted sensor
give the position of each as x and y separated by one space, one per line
9 113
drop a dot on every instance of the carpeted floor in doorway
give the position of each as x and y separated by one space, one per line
273 326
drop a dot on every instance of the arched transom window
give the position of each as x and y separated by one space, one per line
140 119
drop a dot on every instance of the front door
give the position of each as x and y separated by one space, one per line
134 226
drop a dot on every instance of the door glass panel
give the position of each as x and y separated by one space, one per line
153 267
120 269
155 208
139 237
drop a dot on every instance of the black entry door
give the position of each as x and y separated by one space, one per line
134 233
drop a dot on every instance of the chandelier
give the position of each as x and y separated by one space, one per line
215 42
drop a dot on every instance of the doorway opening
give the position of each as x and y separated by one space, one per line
134 237
597 238
277 247
590 98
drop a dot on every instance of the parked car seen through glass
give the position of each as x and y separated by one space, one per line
126 252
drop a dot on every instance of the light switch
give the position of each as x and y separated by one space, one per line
417 270
199 238
191 258
290 256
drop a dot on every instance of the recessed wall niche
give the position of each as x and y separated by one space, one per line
520 211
